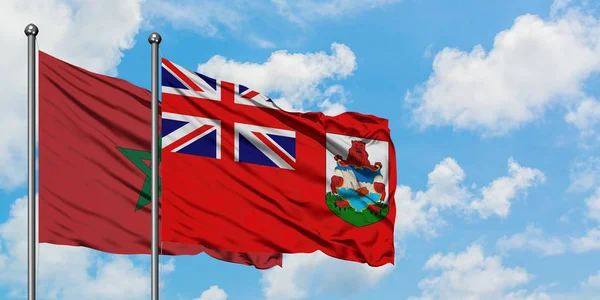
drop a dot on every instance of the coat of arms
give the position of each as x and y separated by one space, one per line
357 187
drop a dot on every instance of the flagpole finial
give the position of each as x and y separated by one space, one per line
31 29
154 38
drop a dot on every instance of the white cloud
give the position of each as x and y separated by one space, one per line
589 242
201 16
213 293
524 295
472 275
443 186
118 278
585 175
559 6
585 116
91 34
69 272
420 211
334 101
428 51
532 66
296 77
214 18
593 282
593 206
498 195
209 18
301 11
532 239
261 42
415 214
589 290
331 109
305 274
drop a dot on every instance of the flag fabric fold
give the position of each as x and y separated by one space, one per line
241 174
94 166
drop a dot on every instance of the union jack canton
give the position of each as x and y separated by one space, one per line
201 136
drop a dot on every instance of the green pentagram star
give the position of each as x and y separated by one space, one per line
137 157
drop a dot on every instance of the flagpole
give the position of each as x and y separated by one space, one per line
154 39
31 32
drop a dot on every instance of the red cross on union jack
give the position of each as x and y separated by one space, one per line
221 120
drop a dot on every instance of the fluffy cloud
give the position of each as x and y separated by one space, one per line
588 242
334 101
261 42
593 282
301 11
533 65
536 295
213 293
472 275
317 272
591 240
585 116
532 239
296 77
414 214
419 211
585 175
71 30
496 197
69 272
593 206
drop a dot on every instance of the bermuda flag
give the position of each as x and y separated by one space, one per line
241 174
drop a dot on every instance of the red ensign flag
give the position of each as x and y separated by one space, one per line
240 174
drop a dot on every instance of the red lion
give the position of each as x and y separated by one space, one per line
357 157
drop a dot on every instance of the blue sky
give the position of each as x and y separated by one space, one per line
493 112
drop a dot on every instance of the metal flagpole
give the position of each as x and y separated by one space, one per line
154 39
31 32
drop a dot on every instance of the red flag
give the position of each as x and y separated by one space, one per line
243 175
94 166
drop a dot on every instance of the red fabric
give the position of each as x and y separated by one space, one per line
88 190
245 207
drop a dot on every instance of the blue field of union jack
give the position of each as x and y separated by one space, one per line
193 135
177 80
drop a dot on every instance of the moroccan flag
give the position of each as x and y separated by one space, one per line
241 174
94 166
